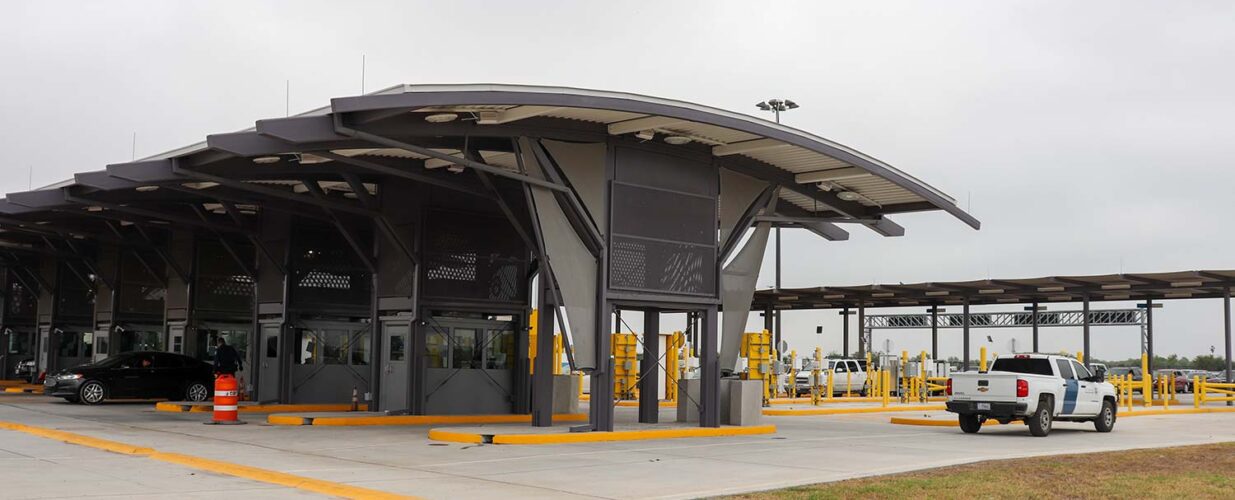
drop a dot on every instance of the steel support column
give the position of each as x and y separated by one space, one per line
709 362
542 371
601 405
776 314
1085 329
1035 326
965 341
935 332
649 368
845 332
1149 333
861 331
1226 314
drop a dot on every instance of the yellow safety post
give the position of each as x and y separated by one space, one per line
815 375
625 361
923 390
1169 395
769 378
1146 379
886 376
531 341
558 349
580 375
831 387
672 362
1128 387
903 384
793 374
1080 356
848 383
1198 391
982 359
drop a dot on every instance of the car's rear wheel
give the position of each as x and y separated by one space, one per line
971 424
196 392
1106 418
92 392
1040 421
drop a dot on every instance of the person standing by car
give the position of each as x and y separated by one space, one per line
226 359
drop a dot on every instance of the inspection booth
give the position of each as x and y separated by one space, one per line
393 244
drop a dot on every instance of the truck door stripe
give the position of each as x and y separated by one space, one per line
1069 396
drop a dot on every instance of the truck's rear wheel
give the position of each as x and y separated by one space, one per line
1040 421
1106 418
971 424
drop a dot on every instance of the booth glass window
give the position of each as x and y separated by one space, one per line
360 349
19 342
397 347
464 353
435 350
69 342
272 346
500 350
335 348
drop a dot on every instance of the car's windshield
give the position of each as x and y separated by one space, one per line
1031 366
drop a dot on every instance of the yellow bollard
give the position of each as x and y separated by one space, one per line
1128 385
1080 356
815 375
1198 391
830 386
1145 379
982 359
922 392
886 386
793 374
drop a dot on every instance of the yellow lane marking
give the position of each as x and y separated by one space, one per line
346 421
595 437
841 411
206 464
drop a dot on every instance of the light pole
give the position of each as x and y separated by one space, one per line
776 106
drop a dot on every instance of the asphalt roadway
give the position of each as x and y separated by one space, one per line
402 460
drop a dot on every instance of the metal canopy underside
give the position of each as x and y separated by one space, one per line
357 142
1106 287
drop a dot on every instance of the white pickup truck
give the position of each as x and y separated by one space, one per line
1036 388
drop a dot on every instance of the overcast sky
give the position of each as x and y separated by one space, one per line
1088 137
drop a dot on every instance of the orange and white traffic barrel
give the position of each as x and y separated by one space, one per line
226 400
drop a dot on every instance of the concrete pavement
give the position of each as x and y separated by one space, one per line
402 460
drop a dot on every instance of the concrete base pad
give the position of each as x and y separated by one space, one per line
349 419
562 435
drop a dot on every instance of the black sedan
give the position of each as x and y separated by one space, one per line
134 375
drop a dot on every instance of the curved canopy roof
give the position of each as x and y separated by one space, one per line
431 133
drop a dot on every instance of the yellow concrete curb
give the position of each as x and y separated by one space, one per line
663 404
175 407
214 466
843 411
415 419
596 437
24 389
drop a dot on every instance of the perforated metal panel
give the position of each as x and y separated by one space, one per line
74 297
221 284
141 292
20 303
473 256
664 212
326 274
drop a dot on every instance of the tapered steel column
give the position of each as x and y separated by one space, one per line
1035 326
935 332
861 331
709 361
649 368
542 372
1149 333
1085 328
845 342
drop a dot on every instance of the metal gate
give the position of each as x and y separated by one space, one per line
469 365
329 360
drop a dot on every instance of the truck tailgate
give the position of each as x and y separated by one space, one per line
993 386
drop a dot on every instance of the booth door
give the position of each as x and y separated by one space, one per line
269 362
396 366
469 365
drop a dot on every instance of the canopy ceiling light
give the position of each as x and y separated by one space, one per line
147 189
441 117
266 160
848 196
677 140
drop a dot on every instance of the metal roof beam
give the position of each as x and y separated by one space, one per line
641 124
